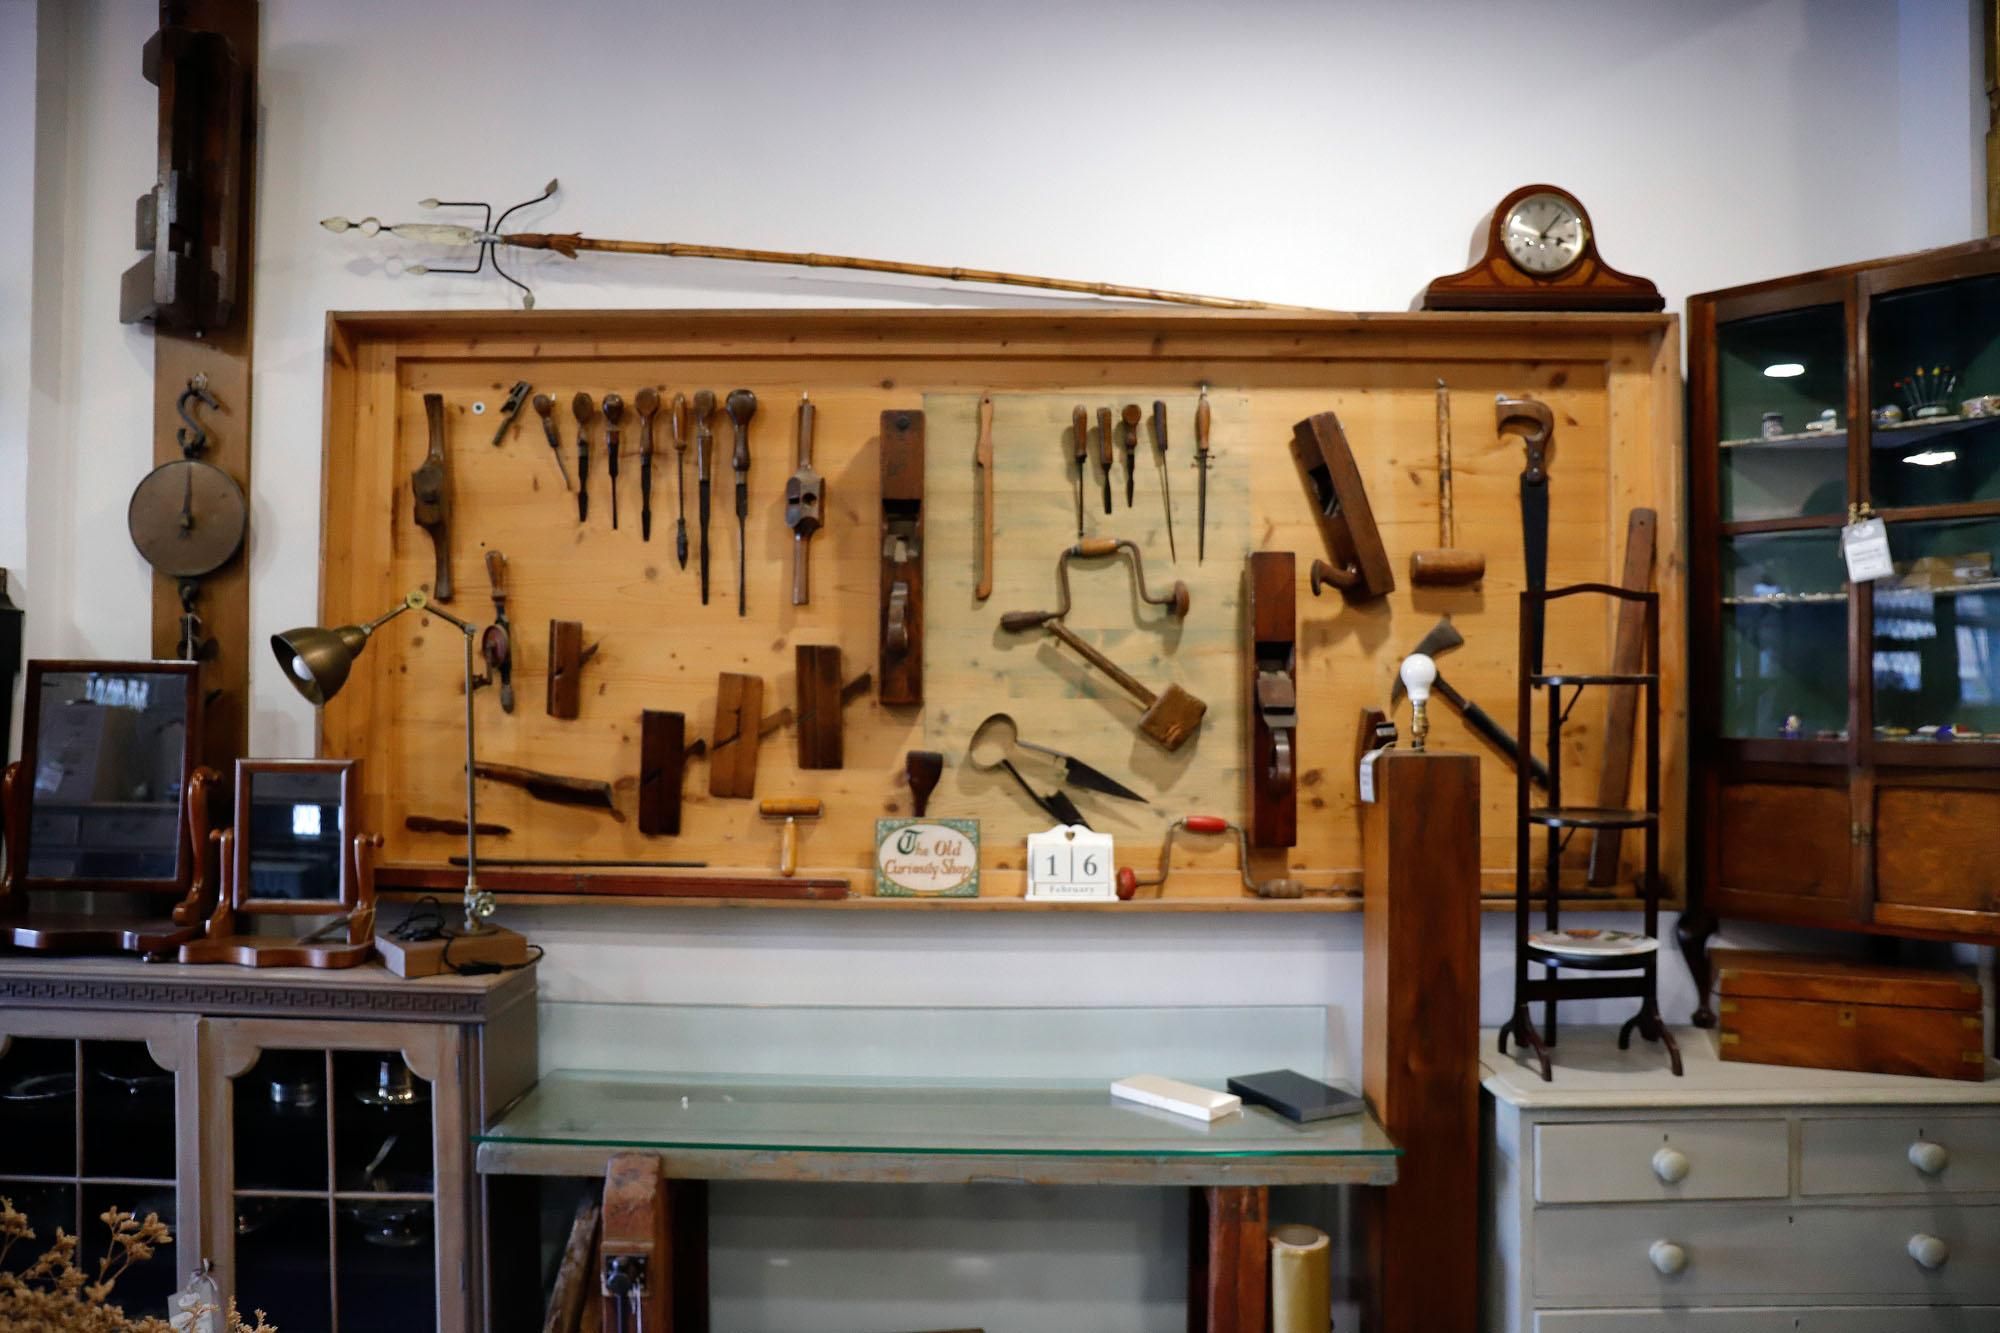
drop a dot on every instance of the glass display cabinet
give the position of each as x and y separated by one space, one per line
1846 736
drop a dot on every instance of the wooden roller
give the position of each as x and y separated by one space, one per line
1445 566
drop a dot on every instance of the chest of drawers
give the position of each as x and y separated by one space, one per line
1741 1197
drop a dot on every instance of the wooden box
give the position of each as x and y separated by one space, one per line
1832 1013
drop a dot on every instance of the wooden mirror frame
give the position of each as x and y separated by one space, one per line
20 812
350 804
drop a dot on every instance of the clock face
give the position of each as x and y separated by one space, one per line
1544 234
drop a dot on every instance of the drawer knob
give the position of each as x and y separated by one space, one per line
1929 1251
1671 1165
1929 1158
1670 1258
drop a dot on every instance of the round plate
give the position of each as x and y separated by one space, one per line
187 518
1594 943
40 1088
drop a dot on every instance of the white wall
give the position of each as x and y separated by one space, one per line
1332 154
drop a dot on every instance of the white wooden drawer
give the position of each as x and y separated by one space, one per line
1587 1256
1646 1161
1874 1156
1776 1319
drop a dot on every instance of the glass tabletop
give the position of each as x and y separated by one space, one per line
880 1115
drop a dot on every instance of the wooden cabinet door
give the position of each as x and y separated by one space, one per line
1784 850
338 1171
1937 857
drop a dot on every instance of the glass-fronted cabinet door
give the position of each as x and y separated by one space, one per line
1933 354
1781 490
97 1112
345 1181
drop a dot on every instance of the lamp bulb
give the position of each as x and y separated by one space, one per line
1418 673
301 670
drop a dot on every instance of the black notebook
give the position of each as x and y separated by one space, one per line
1294 1096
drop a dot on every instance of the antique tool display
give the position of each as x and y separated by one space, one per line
647 404
496 641
583 410
779 719
1442 638
614 414
509 410
677 422
1628 647
732 757
992 748
1541 254
488 238
819 711
1445 566
1536 426
1359 565
1130 419
592 863
805 500
662 767
555 788
1203 419
1104 452
1171 716
452 827
188 519
1166 483
567 656
1079 431
982 458
901 632
1130 880
704 446
742 406
430 485
791 809
1272 690
545 408
921 770
998 738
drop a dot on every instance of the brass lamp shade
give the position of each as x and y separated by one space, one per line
316 661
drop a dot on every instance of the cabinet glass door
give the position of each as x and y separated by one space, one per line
88 1126
1777 378
1936 634
1784 636
1934 383
335 1190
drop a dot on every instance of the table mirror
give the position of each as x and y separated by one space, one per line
291 835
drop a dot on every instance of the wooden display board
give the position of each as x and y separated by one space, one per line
1612 381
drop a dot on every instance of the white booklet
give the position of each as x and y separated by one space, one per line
1170 1094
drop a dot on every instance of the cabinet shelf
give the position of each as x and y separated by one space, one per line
1788 599
1589 816
1814 439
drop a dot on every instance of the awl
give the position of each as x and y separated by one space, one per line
1166 486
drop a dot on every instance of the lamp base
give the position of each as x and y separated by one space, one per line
496 946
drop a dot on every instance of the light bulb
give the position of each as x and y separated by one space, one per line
1418 674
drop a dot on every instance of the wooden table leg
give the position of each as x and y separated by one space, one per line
1229 1258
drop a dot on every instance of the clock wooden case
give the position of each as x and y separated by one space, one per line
1563 271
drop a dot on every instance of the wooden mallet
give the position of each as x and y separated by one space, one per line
791 809
1446 566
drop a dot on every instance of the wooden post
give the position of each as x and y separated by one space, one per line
1989 37
1420 1033
224 356
1229 1258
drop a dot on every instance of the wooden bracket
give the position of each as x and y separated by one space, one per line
1360 565
636 1278
902 624
732 754
819 712
431 485
567 656
662 768
1272 661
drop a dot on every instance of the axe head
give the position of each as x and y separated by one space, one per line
1444 637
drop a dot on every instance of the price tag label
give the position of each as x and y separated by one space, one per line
1070 863
1866 546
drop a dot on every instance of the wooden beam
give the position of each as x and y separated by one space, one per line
1989 37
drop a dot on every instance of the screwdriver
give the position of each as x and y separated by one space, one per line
1079 426
1104 451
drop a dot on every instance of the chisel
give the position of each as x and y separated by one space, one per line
614 412
581 407
704 440
545 408
1079 426
1201 472
677 422
647 403
1166 486
742 406
1104 452
1132 417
